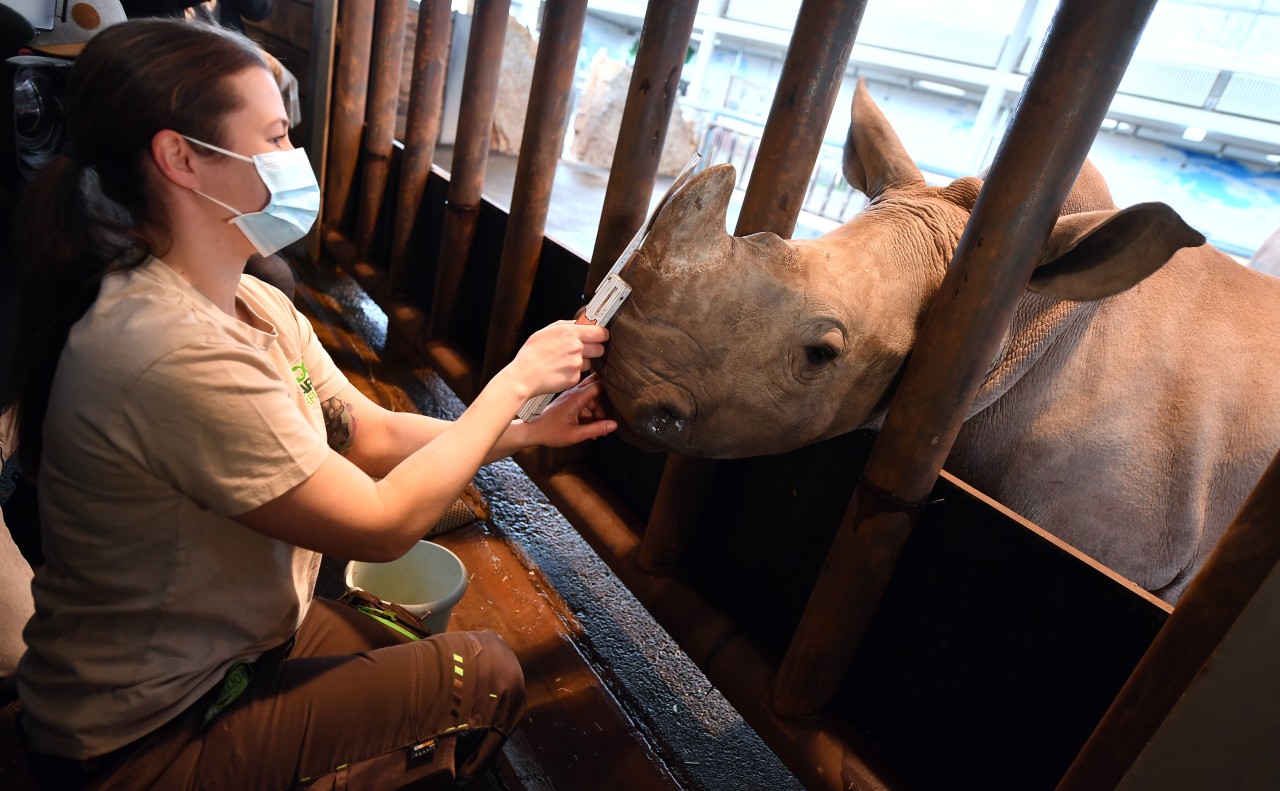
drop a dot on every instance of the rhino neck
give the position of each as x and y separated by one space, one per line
1038 323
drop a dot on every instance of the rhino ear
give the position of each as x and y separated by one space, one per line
874 158
1101 253
694 216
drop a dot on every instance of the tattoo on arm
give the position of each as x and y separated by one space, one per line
339 424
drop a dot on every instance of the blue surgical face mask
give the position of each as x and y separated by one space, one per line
294 203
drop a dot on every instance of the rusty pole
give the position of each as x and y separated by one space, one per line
351 86
1246 555
380 129
470 154
1086 51
811 77
540 145
422 127
664 41
324 26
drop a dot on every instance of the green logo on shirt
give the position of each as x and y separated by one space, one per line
304 382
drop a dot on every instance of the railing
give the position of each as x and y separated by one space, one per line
828 194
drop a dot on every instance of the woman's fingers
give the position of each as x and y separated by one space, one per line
554 357
580 400
598 411
587 390
592 339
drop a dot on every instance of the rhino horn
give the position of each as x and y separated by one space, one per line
875 160
690 228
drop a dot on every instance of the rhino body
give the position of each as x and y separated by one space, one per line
1267 257
1129 411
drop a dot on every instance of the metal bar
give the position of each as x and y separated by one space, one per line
540 146
811 78
835 177
422 127
388 53
749 162
470 154
792 140
1088 46
1246 555
734 139
664 41
814 180
324 25
351 88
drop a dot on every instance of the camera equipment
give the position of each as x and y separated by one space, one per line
34 87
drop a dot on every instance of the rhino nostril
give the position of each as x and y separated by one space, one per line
662 421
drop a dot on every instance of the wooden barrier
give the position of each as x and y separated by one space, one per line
894 639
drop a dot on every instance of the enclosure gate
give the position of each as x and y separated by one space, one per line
372 212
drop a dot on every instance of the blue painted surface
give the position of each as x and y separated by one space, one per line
1235 204
1230 183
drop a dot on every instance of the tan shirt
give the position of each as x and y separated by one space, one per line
167 417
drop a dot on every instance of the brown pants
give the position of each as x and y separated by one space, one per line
350 706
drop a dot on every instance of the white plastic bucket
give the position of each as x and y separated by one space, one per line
428 581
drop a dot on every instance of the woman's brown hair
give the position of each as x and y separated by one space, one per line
131 81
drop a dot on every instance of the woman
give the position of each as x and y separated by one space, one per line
185 480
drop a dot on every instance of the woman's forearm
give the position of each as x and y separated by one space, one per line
420 488
404 433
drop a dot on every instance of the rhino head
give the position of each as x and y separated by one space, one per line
742 346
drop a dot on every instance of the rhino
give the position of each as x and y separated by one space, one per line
1131 406
1267 257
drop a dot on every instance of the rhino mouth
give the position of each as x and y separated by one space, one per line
637 441
650 416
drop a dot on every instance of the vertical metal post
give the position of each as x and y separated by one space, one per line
543 138
388 53
811 77
324 24
422 127
664 42
807 90
470 154
1245 556
1087 49
350 90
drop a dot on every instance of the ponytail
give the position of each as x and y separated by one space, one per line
79 218
62 250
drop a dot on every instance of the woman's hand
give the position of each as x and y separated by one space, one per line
575 416
555 357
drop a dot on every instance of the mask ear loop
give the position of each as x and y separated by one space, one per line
234 211
212 147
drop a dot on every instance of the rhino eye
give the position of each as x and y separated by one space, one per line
820 354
